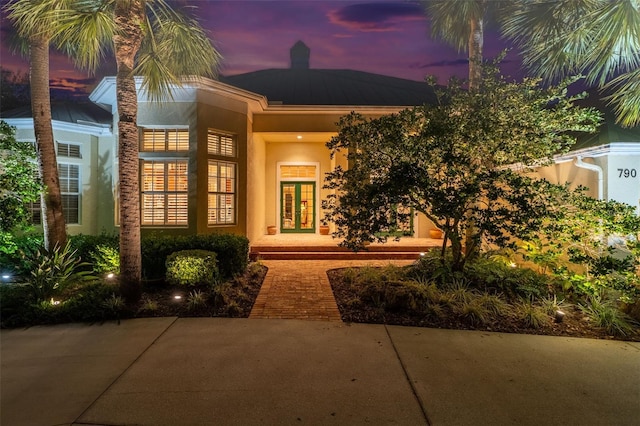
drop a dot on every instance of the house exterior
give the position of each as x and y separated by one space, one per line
248 152
607 162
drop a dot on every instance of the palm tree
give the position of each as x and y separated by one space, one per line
150 39
461 24
598 38
34 20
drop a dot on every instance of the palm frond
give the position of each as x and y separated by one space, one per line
86 31
626 98
552 36
616 40
449 20
174 46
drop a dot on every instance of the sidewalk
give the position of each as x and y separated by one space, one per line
217 371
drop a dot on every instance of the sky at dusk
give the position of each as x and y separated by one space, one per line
390 37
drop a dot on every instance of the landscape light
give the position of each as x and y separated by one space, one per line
422 254
110 275
177 297
6 277
513 264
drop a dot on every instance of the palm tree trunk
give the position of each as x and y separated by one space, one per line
55 233
129 16
476 44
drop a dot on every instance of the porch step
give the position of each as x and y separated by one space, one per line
333 252
333 255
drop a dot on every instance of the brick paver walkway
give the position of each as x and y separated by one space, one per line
300 289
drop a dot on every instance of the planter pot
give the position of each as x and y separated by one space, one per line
435 233
324 230
271 230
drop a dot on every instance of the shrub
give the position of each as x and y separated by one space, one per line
86 245
14 254
232 252
51 271
474 312
514 282
531 315
192 267
396 296
89 302
196 300
105 259
606 315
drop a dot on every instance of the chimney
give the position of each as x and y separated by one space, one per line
300 56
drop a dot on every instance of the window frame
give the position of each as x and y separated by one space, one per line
232 192
165 193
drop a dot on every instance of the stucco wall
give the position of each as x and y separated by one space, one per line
296 152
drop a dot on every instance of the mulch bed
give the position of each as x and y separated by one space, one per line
574 324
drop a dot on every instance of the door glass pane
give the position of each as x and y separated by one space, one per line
288 206
306 206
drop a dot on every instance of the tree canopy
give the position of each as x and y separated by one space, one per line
19 181
457 162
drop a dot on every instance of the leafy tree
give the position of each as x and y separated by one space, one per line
599 38
592 244
150 39
453 162
36 21
19 182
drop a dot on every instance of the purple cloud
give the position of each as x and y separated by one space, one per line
375 16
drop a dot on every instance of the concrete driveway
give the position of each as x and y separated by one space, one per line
216 371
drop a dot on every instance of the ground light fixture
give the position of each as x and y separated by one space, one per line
6 277
110 275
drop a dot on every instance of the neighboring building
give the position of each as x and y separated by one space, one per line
248 151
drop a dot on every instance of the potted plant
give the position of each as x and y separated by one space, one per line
435 233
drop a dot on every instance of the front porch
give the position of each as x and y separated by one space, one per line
324 247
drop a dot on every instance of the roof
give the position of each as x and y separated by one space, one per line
609 131
300 86
77 112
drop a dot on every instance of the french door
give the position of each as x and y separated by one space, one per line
297 207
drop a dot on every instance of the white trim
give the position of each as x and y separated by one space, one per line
27 123
613 148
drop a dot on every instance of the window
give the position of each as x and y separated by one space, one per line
69 150
154 140
222 193
164 192
69 175
221 144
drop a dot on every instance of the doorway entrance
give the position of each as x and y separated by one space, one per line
297 207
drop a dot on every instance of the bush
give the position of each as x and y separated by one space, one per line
86 245
395 296
51 271
91 302
232 252
192 267
15 253
105 259
513 282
